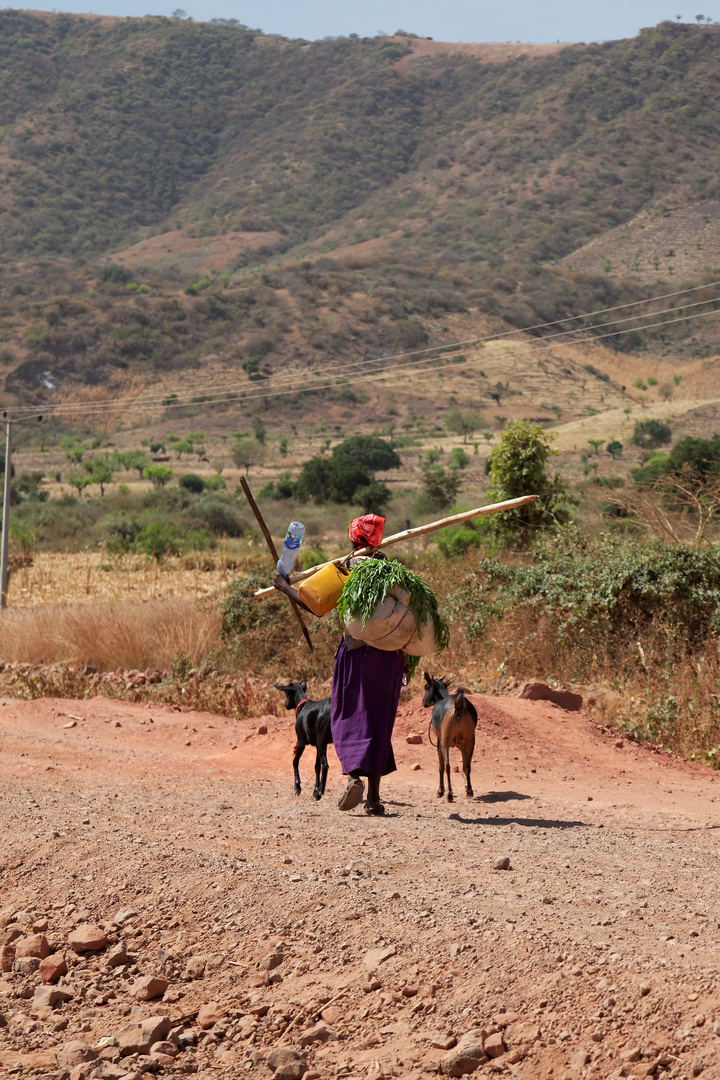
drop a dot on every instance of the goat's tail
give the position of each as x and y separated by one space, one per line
462 704
430 734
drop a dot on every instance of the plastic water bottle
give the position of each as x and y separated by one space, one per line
291 546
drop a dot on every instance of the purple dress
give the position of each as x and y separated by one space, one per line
365 693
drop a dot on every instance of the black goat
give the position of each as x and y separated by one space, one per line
454 719
312 727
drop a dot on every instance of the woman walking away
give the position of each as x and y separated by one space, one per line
365 693
390 618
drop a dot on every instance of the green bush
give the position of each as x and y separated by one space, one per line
192 482
649 434
160 538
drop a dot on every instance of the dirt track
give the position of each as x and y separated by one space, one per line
602 939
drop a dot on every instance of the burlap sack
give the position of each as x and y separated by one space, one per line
392 626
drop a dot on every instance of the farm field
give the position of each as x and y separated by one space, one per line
370 948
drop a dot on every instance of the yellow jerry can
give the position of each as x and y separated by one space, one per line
321 592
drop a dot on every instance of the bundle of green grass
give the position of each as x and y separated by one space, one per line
387 606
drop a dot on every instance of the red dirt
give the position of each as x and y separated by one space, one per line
602 937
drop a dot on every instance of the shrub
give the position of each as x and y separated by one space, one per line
439 488
458 458
159 475
368 450
219 515
159 538
192 482
649 434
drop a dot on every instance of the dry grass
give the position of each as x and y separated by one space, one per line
89 576
106 636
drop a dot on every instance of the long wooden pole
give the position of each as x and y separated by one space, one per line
273 551
421 530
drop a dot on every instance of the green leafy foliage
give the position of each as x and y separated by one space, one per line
649 434
368 450
369 584
519 466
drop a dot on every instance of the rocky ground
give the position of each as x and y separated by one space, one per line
167 906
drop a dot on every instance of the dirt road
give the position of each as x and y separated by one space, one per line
177 836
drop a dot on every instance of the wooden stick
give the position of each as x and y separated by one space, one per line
409 534
273 552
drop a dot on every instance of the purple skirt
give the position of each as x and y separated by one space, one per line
365 693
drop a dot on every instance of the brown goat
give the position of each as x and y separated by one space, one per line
454 719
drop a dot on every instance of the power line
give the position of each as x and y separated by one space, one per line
218 392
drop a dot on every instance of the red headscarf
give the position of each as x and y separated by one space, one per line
367 530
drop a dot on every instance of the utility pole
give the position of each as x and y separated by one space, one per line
9 422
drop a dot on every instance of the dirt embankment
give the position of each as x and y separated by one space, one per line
176 836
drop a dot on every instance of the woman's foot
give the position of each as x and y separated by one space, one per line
354 794
373 805
374 809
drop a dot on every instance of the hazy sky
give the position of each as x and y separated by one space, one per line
449 20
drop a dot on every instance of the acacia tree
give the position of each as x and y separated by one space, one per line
519 466
462 423
247 452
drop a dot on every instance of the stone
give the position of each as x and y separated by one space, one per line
138 1038
504 1018
87 938
262 729
502 863
443 1042
208 1015
518 1034
167 1060
53 967
124 915
472 1044
332 1014
271 960
74 1053
287 1063
370 985
148 987
414 740
319 1032
195 967
50 995
34 945
494 1045
117 956
6 917
164 1046
458 1064
373 959
579 1060
537 691
7 957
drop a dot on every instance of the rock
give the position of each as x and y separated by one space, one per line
164 1046
7 957
208 1015
504 1018
443 1042
50 995
414 740
26 965
409 991
148 987
517 1034
458 1064
416 767
472 1044
167 1060
262 730
537 691
87 938
53 968
370 985
271 960
332 1014
502 863
124 915
320 1032
286 1063
138 1038
6 917
117 956
74 1053
632 1055
579 1060
195 967
373 959
34 945
494 1045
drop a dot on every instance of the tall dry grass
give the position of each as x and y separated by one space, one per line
109 635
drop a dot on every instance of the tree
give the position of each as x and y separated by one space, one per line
101 472
458 458
463 423
615 449
596 444
373 497
259 429
247 452
79 481
159 475
368 450
519 466
649 434
133 459
283 446
192 482
440 488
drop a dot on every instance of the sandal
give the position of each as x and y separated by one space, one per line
354 794
374 809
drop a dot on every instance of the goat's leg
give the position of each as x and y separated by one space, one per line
299 747
441 768
447 773
317 790
467 764
324 768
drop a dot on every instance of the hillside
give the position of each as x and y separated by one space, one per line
180 196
